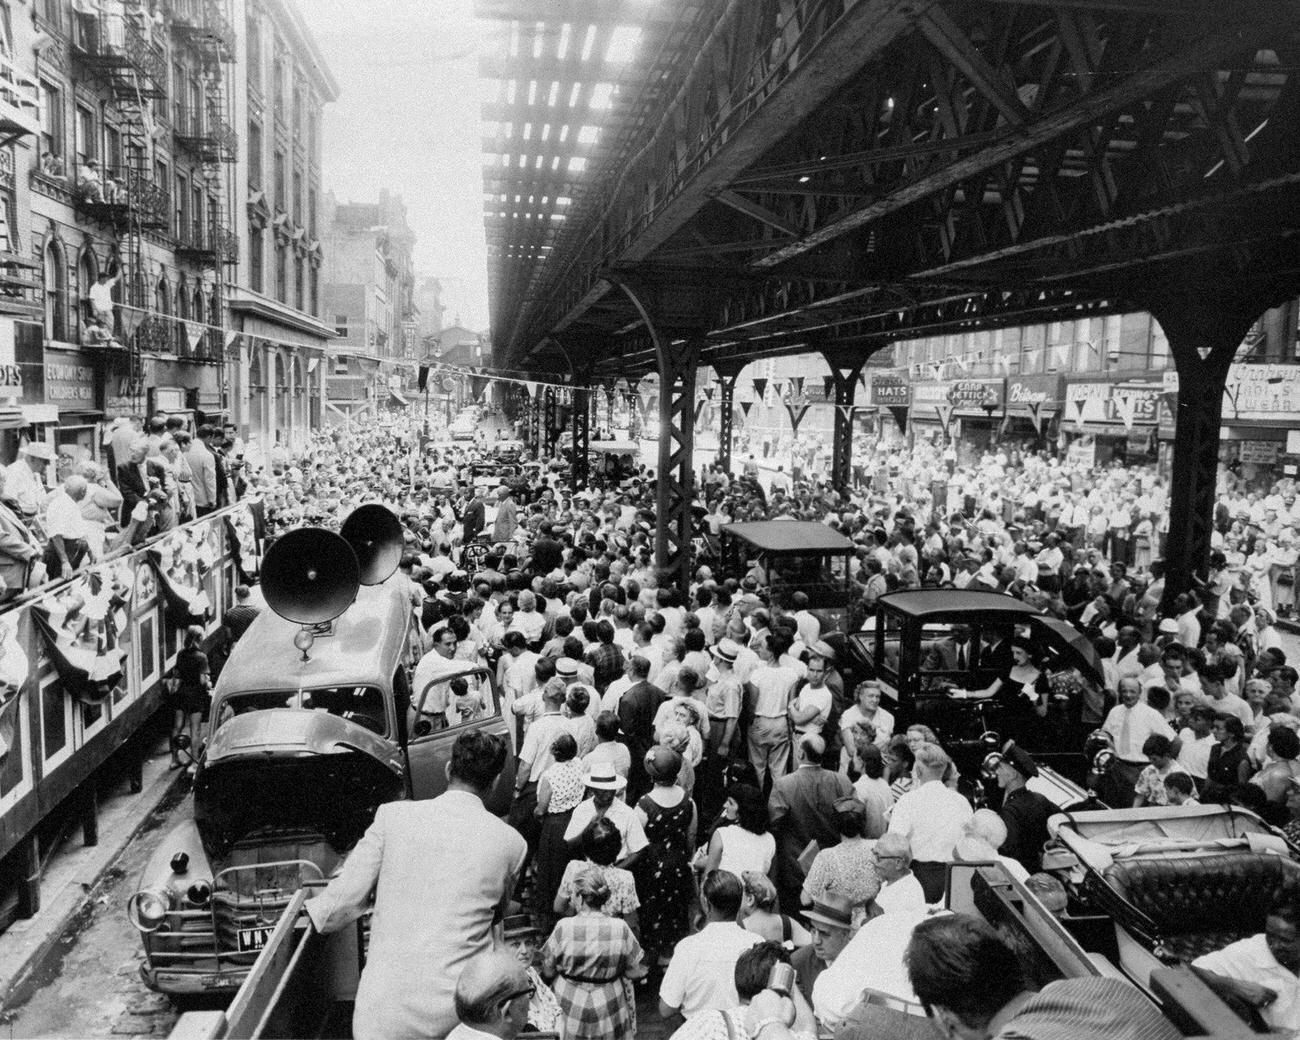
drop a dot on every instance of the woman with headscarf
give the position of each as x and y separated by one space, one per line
664 881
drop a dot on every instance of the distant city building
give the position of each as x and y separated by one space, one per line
370 298
279 374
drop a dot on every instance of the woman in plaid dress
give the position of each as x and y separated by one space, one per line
593 960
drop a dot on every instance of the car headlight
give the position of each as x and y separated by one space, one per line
148 910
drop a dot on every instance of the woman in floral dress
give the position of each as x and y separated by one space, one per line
558 792
664 880
593 959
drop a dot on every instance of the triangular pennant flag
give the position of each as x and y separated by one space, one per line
944 411
1036 417
797 412
1124 404
847 410
1062 351
1079 405
129 318
760 388
645 396
194 334
899 412
796 386
708 392
745 406
530 388
828 387
778 389
699 407
231 338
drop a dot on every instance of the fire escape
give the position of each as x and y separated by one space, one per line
117 51
203 131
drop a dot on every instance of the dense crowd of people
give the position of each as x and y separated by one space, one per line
702 791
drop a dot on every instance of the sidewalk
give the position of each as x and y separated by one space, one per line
74 869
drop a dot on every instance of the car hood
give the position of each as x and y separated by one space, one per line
287 769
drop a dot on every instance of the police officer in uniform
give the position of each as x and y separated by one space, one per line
1025 812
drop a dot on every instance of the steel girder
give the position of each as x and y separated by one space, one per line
580 463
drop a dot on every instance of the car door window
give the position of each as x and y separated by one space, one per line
454 701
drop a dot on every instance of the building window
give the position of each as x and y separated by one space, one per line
279 182
178 99
313 277
299 284
277 84
182 208
86 136
341 326
56 292
254 53
197 212
297 111
311 212
313 130
281 273
112 146
297 198
51 128
256 259
254 156
52 10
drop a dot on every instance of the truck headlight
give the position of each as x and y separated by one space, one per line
147 910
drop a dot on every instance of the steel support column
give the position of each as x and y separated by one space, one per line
550 414
727 376
674 488
580 463
845 371
677 345
1204 334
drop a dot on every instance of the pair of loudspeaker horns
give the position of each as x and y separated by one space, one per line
310 576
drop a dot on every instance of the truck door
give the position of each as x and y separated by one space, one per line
442 711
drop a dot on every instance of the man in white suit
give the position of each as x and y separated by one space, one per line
435 900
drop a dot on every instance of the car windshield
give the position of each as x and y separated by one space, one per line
363 705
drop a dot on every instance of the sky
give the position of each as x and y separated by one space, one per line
407 119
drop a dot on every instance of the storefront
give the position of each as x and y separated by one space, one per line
1261 404
1111 421
71 380
1033 410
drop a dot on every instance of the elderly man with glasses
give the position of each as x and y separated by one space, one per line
900 891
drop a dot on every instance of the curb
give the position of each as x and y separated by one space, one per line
74 874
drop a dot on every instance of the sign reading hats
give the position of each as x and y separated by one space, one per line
888 391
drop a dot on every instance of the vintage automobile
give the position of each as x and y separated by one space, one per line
1170 883
903 648
313 725
790 556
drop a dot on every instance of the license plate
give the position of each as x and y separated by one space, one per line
252 939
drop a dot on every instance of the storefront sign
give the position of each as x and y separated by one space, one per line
1026 392
890 391
11 380
1256 391
1260 453
966 395
1108 402
68 384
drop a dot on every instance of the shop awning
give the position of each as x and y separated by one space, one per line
398 399
40 413
11 417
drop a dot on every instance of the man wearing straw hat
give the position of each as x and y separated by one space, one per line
604 784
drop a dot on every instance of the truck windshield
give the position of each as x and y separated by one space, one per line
363 705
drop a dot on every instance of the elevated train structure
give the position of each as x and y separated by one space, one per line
769 177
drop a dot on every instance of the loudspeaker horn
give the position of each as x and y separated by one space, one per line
310 576
377 537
